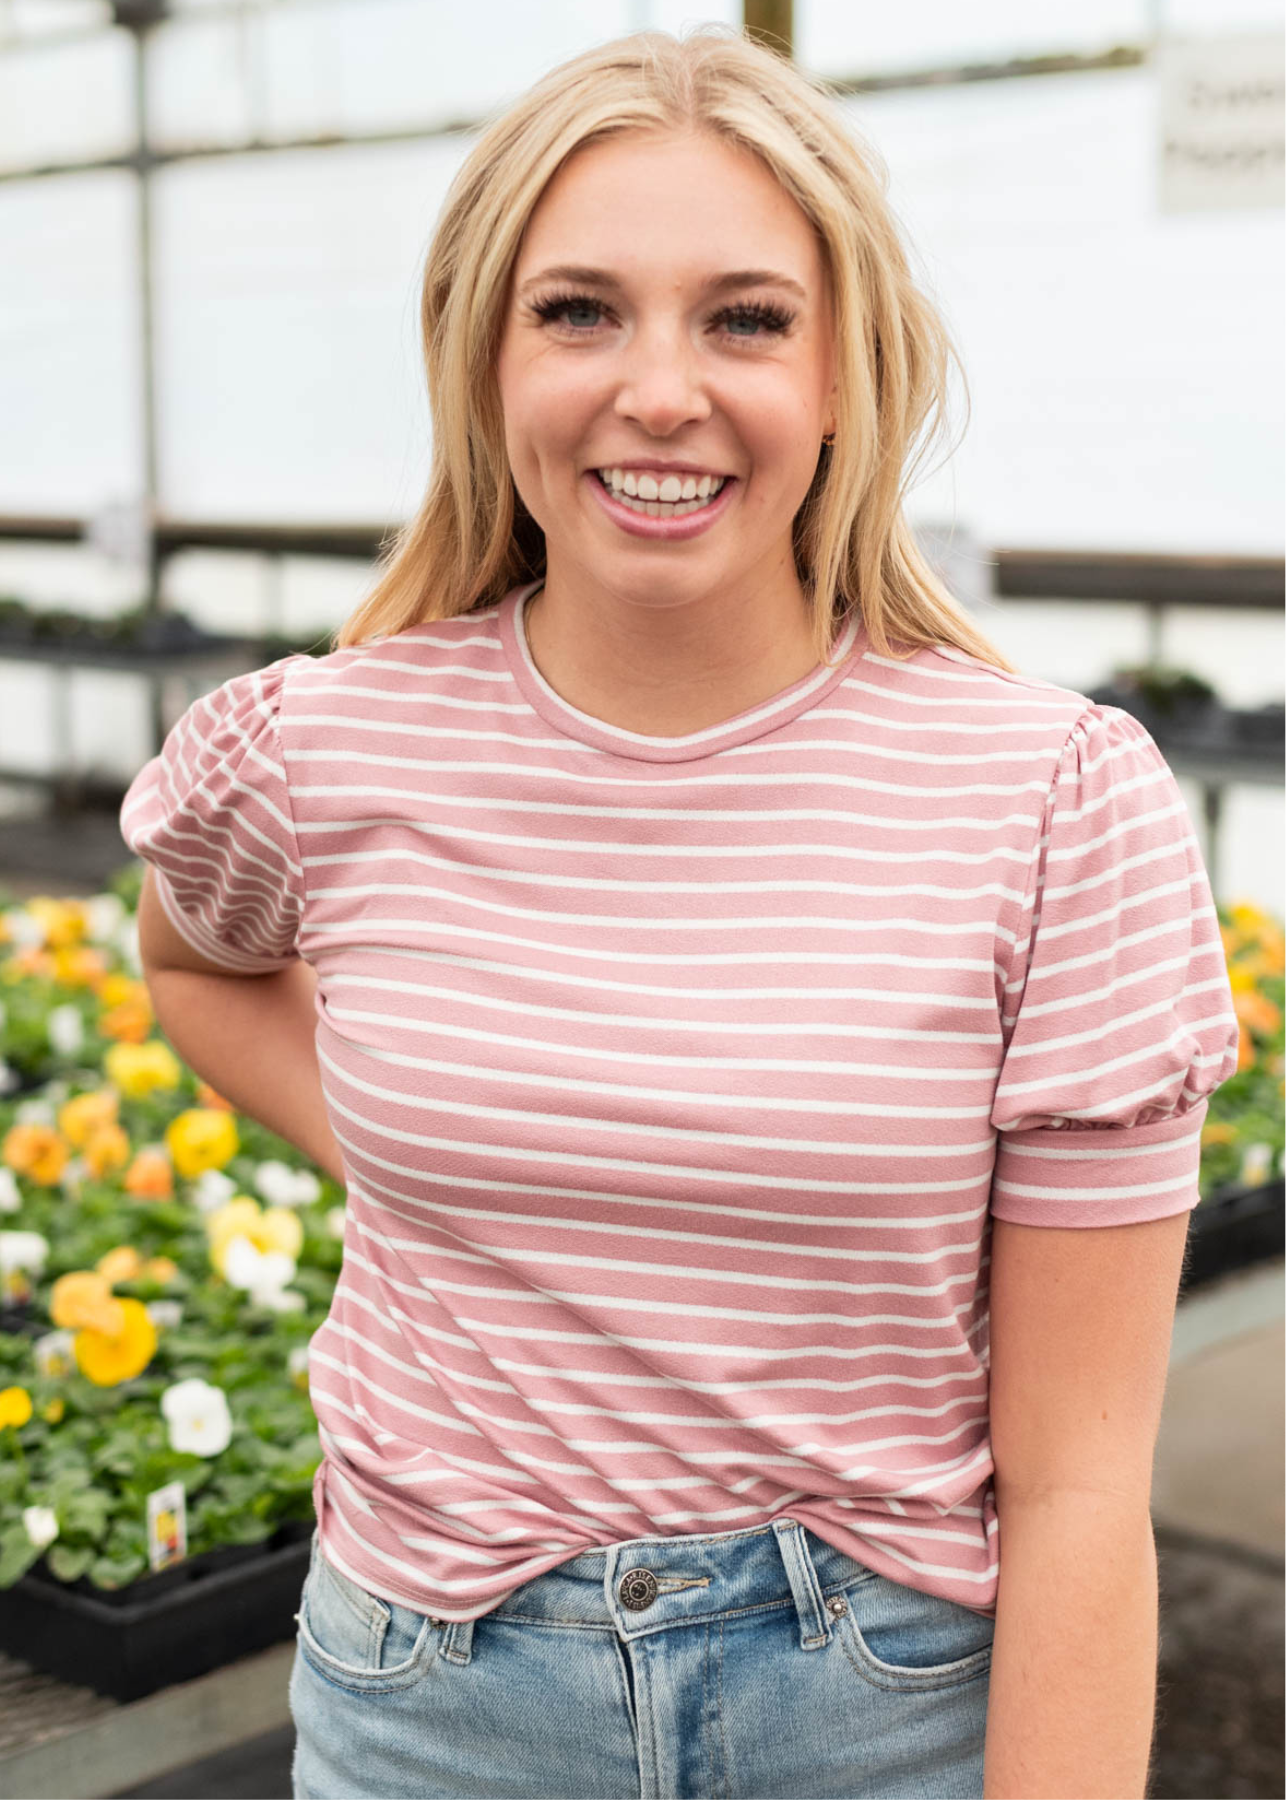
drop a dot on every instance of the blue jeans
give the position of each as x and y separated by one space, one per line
744 1663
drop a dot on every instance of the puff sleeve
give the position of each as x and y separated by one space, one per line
1118 1020
212 814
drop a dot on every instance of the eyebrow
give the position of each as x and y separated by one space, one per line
718 284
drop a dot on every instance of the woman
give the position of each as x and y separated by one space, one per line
730 992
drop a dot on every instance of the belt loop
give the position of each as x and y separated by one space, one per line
814 1626
457 1640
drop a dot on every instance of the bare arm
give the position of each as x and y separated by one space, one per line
1081 1323
252 1037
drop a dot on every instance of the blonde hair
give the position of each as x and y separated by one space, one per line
472 539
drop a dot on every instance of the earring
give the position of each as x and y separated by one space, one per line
828 438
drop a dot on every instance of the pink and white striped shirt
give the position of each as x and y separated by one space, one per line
677 1079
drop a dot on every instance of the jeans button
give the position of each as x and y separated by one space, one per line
637 1589
837 1606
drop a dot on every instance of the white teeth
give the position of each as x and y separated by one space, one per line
669 498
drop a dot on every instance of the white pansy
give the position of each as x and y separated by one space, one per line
1256 1165
336 1219
263 1274
165 1314
40 1524
34 1112
52 1354
212 1190
66 1030
73 1174
280 1185
104 916
10 1197
127 944
24 928
297 1365
25 1250
197 1417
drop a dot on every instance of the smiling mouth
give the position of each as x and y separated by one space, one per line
694 493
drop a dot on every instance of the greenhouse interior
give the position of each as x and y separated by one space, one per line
213 222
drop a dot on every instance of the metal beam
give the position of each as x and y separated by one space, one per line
955 74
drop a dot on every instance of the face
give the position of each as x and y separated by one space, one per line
668 322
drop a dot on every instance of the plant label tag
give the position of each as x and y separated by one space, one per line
167 1525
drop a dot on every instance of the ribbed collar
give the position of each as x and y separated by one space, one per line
768 716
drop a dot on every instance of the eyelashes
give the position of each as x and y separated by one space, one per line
776 320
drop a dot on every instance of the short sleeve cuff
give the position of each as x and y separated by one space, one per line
204 942
1105 1175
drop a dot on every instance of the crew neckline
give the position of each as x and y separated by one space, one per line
755 721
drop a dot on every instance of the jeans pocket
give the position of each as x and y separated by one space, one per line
355 1639
900 1637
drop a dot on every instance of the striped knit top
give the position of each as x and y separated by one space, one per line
677 1079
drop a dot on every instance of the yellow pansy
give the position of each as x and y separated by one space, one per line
79 1117
84 1300
1256 1012
160 1269
201 1138
62 921
150 1176
1218 1131
276 1229
15 1406
30 960
53 1411
108 1358
1247 917
107 1149
206 1096
128 1023
121 1264
79 965
136 1070
36 1151
117 987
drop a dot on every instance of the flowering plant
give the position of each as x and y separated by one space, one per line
1243 1140
164 1262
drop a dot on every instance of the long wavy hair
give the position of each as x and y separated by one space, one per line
472 538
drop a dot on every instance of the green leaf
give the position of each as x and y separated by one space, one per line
68 1562
116 1571
86 1515
17 1553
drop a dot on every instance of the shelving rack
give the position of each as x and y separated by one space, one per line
1159 581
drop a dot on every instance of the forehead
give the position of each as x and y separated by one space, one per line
641 201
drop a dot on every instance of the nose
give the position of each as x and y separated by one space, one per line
662 385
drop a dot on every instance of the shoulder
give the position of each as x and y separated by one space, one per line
397 662
1003 712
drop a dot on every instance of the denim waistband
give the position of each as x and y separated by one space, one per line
649 1584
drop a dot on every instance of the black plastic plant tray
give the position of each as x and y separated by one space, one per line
1232 1229
208 1611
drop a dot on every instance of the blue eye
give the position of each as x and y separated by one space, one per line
764 318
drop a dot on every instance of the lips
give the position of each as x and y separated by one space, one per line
671 529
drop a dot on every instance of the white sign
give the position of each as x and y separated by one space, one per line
1222 117
167 1525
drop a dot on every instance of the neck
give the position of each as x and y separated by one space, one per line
666 672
